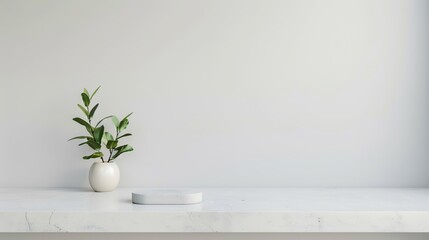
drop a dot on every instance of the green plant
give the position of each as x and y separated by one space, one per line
98 136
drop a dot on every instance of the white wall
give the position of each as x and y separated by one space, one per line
225 92
215 236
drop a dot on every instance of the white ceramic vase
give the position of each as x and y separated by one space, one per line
104 177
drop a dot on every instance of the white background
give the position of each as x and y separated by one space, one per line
224 93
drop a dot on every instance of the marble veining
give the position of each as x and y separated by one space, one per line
222 210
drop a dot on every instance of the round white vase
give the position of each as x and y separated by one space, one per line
104 177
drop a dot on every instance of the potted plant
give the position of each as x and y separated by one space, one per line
104 174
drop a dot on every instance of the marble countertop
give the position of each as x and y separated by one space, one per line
222 210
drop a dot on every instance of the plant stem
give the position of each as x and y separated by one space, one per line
110 155
89 121
111 150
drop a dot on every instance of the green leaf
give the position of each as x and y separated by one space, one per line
86 91
125 135
79 137
102 120
84 123
111 144
94 155
123 124
128 115
91 113
122 149
96 90
107 136
85 99
83 110
115 121
98 134
81 121
94 145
